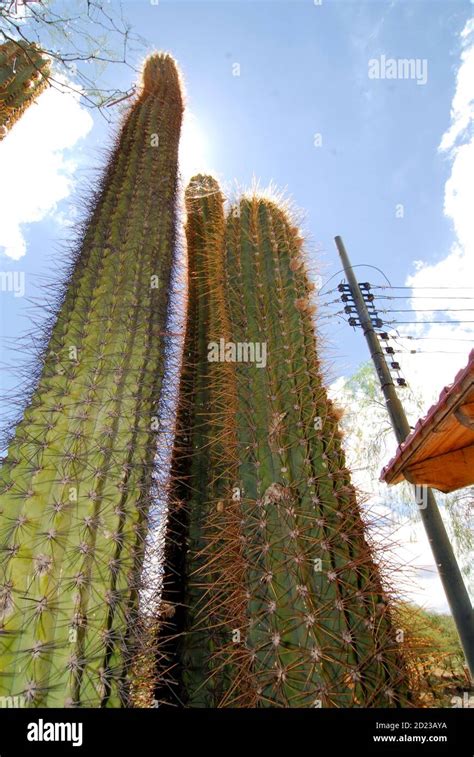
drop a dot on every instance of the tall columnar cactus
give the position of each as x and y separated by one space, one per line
76 481
282 604
24 72
204 465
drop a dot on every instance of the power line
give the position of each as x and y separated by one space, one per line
405 350
431 338
427 352
429 310
325 294
435 338
385 286
422 323
421 297
331 302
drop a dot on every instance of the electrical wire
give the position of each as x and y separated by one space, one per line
384 286
436 338
426 352
401 349
329 291
422 323
421 297
429 310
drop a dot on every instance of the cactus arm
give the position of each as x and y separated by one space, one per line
24 73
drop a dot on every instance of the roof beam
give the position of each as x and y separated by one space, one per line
465 415
447 472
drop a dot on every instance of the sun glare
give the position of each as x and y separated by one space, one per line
193 149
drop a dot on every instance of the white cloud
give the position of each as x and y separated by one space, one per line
462 110
456 269
37 172
427 373
416 576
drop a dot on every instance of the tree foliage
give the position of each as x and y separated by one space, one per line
81 37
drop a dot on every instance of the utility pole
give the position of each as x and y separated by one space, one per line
448 568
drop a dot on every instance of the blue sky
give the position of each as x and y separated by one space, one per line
303 71
384 144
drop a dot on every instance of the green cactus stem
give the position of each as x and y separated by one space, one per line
204 464
24 72
77 478
281 604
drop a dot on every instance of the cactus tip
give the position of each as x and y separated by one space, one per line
201 185
160 69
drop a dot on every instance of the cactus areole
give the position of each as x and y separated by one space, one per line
75 483
24 72
281 603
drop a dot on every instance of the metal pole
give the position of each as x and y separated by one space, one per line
448 568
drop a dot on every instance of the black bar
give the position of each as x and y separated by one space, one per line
135 732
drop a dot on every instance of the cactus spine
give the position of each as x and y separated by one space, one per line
75 484
24 75
282 603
